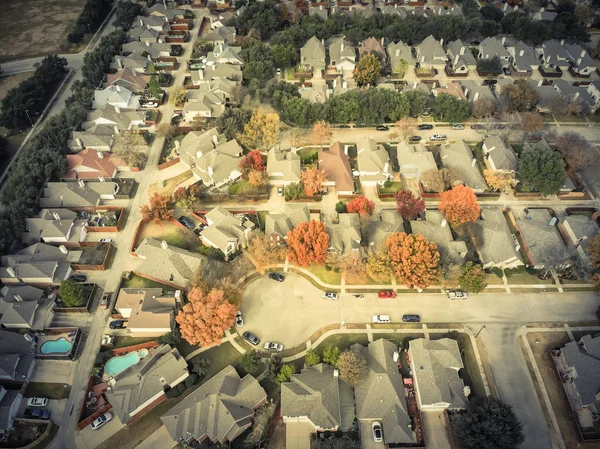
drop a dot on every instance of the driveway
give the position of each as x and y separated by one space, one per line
54 371
366 435
435 430
89 439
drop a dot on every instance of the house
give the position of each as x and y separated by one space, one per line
452 88
336 164
149 50
222 87
222 35
343 83
17 360
54 226
313 397
204 104
212 159
499 156
219 410
136 62
116 95
475 91
100 138
548 96
458 155
318 11
491 47
543 15
77 194
580 229
127 79
16 293
373 162
398 53
138 389
148 310
143 34
594 90
524 59
312 55
374 46
578 364
216 71
224 54
159 9
283 167
414 160
342 54
277 225
317 93
381 396
35 315
345 235
500 248
226 231
540 237
38 264
435 229
122 119
580 94
154 22
394 11
461 58
10 402
168 264
435 365
379 230
431 54
553 57
93 164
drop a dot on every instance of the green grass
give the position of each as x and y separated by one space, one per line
329 277
517 147
343 341
124 341
140 282
48 390
308 152
220 357
392 188
524 278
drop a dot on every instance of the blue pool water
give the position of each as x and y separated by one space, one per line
117 364
60 346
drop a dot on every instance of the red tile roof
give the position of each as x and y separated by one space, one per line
337 167
87 164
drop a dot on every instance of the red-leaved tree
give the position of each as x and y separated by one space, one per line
408 205
415 259
205 317
253 161
361 205
158 210
307 243
459 205
312 180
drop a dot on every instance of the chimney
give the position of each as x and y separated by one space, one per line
63 249
540 83
444 223
462 50
101 178
11 272
177 144
415 85
210 171
215 139
142 22
79 142
119 63
320 7
116 129
342 46
582 53
516 8
336 373
100 154
323 42
473 162
55 215
382 43
576 96
476 96
521 52
397 52
562 42
344 85
456 59
81 183
117 109
503 40
542 9
442 42
147 44
527 214
18 298
164 244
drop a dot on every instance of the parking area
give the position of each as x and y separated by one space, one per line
366 436
53 371
297 434
89 439
55 406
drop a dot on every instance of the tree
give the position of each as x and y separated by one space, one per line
170 338
565 107
71 293
273 367
488 424
519 97
531 122
251 361
308 243
321 132
253 161
584 14
158 209
293 191
400 68
500 181
205 317
284 374
129 147
301 7
484 107
177 95
472 278
331 355
312 180
448 108
258 179
417 101
414 259
264 252
353 367
361 205
165 130
368 70
338 443
379 267
577 151
405 126
353 266
542 170
233 120
262 131
284 56
491 66
439 180
200 366
408 205
126 13
340 207
491 12
312 358
459 205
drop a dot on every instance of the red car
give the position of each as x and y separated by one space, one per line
387 294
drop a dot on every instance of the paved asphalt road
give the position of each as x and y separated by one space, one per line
25 65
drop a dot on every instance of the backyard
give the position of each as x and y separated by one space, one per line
140 282
172 234
47 390
168 186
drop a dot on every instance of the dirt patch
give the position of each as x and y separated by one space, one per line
10 82
31 28
168 186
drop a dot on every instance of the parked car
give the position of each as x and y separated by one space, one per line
457 295
377 433
506 71
381 318
117 324
278 72
426 112
105 300
273 346
277 277
387 294
37 413
415 139
78 277
458 127
105 240
251 338
101 420
37 402
187 222
476 126
330 295
280 191
435 71
425 127
151 104
409 318
239 321
382 128
198 231
438 137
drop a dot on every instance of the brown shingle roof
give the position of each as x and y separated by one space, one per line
337 167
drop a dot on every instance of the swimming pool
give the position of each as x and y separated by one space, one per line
60 346
120 363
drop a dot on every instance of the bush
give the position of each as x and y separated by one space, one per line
192 380
312 358
200 366
284 374
498 272
340 207
170 338
172 393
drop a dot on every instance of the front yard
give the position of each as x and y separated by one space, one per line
390 187
243 187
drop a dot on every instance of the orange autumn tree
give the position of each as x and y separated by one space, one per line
361 205
415 259
307 243
459 205
158 209
312 180
206 316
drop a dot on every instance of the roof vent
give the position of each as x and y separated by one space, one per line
421 368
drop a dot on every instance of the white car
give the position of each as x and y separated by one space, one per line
37 402
458 126
330 295
380 318
457 295
438 137
239 321
150 105
273 346
101 420
105 240
377 433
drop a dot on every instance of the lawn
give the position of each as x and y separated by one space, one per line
220 357
393 187
140 282
526 278
329 277
172 234
47 390
244 187
168 186
343 341
517 147
30 28
124 341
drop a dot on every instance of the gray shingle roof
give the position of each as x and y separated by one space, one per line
379 230
282 223
430 51
400 51
583 357
460 54
431 228
544 241
458 155
224 228
498 248
492 46
7 411
524 57
313 53
502 155
283 165
345 236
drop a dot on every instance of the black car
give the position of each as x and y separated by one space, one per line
382 128
411 318
476 126
277 277
414 139
117 324
424 127
251 338
186 222
78 277
197 231
37 413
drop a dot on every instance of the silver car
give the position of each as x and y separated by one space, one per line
273 346
101 420
330 295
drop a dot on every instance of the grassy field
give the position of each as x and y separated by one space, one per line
31 28
393 188
342 341
329 277
172 234
48 390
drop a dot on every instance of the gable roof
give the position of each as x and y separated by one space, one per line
492 46
458 155
372 157
282 223
500 153
414 158
108 114
543 241
283 165
127 78
224 228
475 91
90 163
372 45
499 246
341 50
430 51
583 359
336 164
400 51
71 194
435 229
524 57
460 54
115 94
345 235
379 230
149 307
554 53
12 293
222 34
313 53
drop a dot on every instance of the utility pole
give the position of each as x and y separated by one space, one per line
482 328
30 121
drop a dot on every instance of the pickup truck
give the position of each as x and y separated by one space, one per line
381 318
457 295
